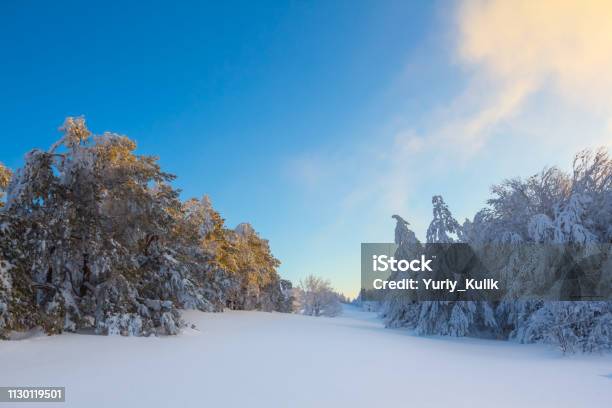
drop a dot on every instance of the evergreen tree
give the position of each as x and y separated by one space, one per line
443 226
5 179
93 235
399 309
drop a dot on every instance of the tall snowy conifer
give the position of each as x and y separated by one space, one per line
93 235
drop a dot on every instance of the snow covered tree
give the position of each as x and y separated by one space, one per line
91 213
94 236
315 297
398 309
454 318
285 298
443 226
551 208
5 178
256 268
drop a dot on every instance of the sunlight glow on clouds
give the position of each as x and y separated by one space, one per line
566 42
520 47
538 68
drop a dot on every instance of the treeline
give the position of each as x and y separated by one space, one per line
552 207
93 236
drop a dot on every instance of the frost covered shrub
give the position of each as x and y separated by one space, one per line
550 208
315 297
93 235
573 326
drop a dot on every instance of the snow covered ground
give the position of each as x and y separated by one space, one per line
279 360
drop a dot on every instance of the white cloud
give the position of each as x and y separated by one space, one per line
561 43
539 69
558 47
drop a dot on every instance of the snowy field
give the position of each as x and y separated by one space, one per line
256 359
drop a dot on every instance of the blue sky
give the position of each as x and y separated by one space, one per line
314 121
